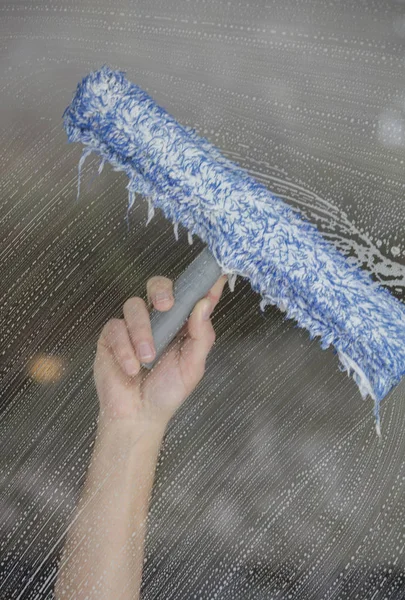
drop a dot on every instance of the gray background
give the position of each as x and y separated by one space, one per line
271 482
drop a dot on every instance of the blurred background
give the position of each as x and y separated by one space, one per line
271 481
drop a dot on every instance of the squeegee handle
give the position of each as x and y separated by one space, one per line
192 285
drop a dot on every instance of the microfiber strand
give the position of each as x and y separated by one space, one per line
249 231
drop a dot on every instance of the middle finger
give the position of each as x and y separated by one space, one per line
137 319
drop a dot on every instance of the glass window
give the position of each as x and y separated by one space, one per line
270 479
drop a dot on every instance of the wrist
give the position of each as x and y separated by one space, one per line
131 430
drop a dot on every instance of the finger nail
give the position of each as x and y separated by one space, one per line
206 310
131 367
145 351
162 297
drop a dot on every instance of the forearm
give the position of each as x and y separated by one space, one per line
103 555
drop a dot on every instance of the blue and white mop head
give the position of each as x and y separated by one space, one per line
249 231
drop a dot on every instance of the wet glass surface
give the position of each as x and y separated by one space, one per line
271 481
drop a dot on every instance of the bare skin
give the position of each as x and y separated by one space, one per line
103 553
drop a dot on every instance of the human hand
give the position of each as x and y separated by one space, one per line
130 392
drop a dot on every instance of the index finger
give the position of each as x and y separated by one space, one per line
160 292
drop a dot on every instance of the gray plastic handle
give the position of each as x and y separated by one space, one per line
192 285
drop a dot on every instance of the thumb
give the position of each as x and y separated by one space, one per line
199 341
